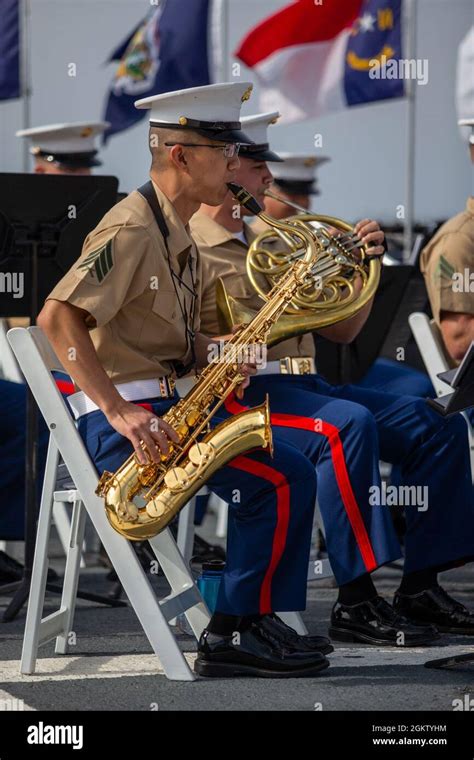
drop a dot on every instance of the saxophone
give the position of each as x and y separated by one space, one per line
142 499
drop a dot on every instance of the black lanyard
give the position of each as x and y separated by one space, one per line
148 192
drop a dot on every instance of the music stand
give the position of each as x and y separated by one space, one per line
462 380
44 220
349 363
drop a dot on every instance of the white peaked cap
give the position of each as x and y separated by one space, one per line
256 126
468 123
65 140
213 109
298 167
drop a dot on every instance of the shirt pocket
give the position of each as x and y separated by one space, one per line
165 306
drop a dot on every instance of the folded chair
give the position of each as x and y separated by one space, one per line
37 360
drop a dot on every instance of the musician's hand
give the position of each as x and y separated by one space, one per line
247 370
369 231
139 425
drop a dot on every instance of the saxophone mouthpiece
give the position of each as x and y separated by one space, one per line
245 198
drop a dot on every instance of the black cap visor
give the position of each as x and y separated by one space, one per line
74 160
259 153
228 132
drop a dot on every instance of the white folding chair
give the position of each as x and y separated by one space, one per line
37 360
431 347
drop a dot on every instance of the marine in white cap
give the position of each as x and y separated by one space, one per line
131 308
369 425
294 179
65 148
447 263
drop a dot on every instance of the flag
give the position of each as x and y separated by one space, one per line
10 50
167 51
311 58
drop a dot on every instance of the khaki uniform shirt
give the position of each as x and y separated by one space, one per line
224 256
446 263
122 279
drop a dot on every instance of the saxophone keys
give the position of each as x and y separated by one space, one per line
177 479
127 510
155 508
200 453
192 418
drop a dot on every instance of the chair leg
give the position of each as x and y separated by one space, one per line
40 565
222 515
140 594
185 538
63 525
71 574
179 577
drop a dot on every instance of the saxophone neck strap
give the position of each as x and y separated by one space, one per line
148 192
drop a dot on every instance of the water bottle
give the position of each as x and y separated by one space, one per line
209 581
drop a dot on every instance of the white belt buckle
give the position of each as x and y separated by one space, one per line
297 365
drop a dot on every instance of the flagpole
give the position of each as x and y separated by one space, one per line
410 13
225 40
219 41
25 72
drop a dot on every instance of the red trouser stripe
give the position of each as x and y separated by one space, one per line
66 387
339 463
282 489
146 406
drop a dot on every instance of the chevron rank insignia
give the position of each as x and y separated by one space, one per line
99 263
444 270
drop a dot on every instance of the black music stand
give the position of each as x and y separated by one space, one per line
44 220
462 380
349 363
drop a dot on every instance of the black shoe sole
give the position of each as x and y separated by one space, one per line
342 634
210 669
458 631
441 628
323 650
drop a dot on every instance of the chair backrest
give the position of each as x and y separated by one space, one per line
9 369
37 361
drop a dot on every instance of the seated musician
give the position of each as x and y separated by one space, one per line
130 306
345 431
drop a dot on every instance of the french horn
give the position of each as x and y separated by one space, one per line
344 277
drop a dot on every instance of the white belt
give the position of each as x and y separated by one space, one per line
162 387
290 365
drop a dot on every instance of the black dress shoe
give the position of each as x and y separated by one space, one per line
293 639
436 606
254 652
11 570
376 622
